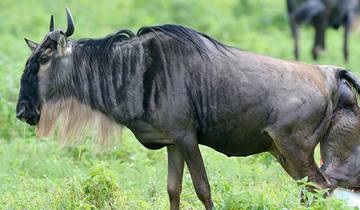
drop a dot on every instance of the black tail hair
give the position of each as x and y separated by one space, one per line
351 78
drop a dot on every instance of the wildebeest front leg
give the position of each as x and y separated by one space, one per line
175 175
190 149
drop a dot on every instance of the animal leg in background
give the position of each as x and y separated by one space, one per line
294 26
347 27
304 12
319 42
295 33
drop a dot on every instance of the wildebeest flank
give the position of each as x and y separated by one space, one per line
178 88
321 14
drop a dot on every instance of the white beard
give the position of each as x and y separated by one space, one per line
75 121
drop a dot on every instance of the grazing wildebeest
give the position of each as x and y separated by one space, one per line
321 14
178 88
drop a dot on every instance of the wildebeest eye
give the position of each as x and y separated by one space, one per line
48 51
44 58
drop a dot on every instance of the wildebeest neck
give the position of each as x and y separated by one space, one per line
107 78
118 78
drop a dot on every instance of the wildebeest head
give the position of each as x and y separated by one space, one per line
48 93
53 46
340 151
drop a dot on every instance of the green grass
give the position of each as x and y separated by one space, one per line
37 174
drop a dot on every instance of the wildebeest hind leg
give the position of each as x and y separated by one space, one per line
175 175
298 161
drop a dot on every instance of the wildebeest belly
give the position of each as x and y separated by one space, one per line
149 136
236 142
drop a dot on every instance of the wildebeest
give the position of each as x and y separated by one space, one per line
177 88
321 14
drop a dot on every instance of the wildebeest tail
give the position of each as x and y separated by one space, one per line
351 78
307 10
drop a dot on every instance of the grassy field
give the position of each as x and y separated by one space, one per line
37 174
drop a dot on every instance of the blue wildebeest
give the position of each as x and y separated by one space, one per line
321 14
177 88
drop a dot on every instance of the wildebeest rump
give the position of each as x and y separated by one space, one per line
178 88
321 14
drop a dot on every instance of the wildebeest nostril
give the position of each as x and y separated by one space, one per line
20 112
22 108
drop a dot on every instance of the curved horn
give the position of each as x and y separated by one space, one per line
70 24
52 23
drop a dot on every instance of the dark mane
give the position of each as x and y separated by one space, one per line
177 32
119 36
183 34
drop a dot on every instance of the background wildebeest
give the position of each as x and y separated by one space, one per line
321 14
178 88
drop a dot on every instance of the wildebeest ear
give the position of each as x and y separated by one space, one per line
32 45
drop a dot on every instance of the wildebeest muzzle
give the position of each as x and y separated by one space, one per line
26 112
